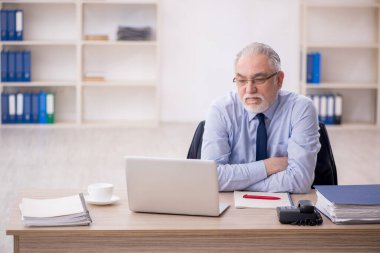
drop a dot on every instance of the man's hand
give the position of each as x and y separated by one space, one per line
275 164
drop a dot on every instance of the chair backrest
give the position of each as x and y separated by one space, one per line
325 170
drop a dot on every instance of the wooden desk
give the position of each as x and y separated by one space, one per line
116 229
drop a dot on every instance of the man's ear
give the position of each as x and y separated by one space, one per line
280 79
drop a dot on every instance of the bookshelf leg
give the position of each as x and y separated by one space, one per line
16 244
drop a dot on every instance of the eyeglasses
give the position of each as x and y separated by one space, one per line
257 81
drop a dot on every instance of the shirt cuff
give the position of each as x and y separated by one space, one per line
261 171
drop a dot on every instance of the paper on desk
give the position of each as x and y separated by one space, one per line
241 202
51 207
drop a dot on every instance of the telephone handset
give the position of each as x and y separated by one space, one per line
304 214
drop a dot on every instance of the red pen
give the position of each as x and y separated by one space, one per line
247 196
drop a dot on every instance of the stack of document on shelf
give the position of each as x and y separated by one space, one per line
349 204
66 211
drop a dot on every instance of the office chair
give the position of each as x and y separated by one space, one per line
325 170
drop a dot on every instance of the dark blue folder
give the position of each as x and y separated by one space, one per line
26 62
27 116
351 194
19 67
4 66
4 108
11 66
35 107
11 24
4 24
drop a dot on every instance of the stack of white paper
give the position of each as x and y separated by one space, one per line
345 204
66 211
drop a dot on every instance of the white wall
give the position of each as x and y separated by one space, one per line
200 39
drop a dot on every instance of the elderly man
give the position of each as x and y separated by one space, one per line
262 138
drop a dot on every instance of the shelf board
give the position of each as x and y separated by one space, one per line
339 5
118 43
39 1
54 125
39 43
342 45
40 84
342 86
145 84
119 1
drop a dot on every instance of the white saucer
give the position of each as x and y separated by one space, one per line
114 199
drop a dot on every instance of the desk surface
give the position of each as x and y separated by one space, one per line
118 220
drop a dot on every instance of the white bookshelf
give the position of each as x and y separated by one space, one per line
55 33
347 34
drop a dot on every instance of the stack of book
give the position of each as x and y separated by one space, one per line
329 107
26 107
11 24
349 204
313 68
16 66
66 211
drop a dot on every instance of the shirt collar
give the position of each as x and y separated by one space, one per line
269 112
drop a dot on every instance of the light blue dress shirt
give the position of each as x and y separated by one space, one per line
230 139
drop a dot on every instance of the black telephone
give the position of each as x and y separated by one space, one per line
304 214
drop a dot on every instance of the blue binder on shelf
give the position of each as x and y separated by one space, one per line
309 68
19 27
351 194
316 68
4 24
4 66
11 66
11 24
4 108
19 67
42 117
27 116
35 108
12 108
27 62
19 107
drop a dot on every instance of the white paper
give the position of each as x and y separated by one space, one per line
241 202
51 207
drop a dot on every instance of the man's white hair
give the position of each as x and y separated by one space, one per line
260 48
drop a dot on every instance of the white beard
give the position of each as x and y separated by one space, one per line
255 108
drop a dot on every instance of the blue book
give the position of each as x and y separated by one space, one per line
316 68
11 24
4 66
27 62
4 24
12 108
27 116
19 107
351 194
19 25
4 108
35 108
309 68
42 117
11 66
19 67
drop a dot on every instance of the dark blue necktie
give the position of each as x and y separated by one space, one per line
261 139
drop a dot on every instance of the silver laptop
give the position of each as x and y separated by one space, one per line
174 186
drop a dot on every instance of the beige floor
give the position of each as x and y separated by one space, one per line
73 158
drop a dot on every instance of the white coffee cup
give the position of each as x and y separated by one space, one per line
100 191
